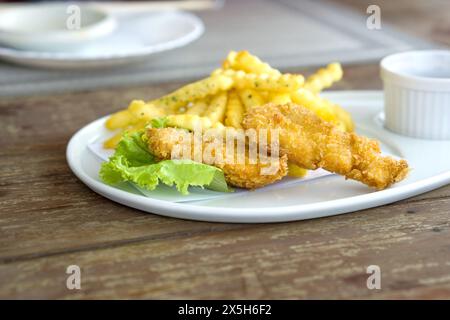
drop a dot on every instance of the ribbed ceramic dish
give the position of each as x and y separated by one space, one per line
417 93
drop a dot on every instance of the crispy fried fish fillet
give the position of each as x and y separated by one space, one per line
312 143
247 175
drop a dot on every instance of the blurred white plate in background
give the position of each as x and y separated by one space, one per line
136 38
46 27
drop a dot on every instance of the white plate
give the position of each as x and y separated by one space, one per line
324 196
136 38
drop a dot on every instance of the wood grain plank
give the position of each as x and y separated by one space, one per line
322 258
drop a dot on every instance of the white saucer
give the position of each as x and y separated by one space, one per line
325 196
137 37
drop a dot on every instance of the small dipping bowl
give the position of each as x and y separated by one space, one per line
417 93
46 27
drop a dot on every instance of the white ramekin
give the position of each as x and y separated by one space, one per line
417 93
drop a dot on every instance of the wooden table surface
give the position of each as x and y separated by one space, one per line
50 220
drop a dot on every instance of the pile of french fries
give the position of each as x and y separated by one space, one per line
223 98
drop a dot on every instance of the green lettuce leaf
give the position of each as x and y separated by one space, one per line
159 122
135 150
133 162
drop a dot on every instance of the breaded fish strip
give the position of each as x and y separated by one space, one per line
312 143
247 175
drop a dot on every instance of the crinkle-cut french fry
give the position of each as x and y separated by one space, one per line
323 108
265 95
198 107
216 109
280 98
281 83
217 72
181 110
235 110
230 60
249 63
188 121
344 117
137 111
219 126
324 77
296 171
194 91
228 130
250 98
112 142
313 102
142 111
120 119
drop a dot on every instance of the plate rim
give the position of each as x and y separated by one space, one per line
61 57
253 215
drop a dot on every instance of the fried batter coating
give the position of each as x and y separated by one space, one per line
312 143
243 174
